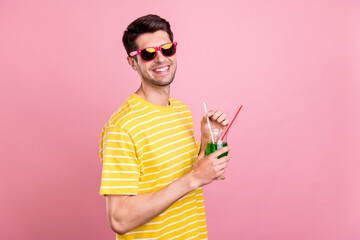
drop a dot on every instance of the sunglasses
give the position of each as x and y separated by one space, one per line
149 54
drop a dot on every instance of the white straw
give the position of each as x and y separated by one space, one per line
208 121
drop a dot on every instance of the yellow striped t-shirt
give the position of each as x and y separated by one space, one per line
145 147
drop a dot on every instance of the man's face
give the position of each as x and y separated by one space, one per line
160 71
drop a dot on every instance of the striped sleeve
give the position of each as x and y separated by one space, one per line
121 170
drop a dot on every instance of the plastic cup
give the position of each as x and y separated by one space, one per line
217 144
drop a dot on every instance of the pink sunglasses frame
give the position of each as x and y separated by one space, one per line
133 53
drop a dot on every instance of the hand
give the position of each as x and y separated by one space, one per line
217 120
208 168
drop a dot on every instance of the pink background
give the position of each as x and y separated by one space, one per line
294 65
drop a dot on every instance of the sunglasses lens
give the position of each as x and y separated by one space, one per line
168 49
148 54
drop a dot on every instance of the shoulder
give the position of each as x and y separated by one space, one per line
126 112
178 104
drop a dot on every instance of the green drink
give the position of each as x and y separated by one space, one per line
212 147
215 143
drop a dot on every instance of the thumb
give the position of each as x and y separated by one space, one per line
201 153
204 117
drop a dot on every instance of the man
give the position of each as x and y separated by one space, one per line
153 169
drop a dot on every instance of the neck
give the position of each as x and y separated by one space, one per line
154 94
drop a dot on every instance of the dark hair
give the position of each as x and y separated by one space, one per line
146 24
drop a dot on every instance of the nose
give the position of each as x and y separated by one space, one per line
159 57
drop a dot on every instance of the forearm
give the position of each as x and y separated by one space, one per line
137 210
128 212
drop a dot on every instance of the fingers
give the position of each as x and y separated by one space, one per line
221 118
220 151
205 116
225 123
220 173
223 160
214 115
221 167
218 116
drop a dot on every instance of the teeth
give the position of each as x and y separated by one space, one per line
162 69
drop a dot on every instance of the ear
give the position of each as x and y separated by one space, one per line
132 63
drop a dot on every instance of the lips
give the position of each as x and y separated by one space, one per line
162 69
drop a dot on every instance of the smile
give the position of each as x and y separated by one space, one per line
161 69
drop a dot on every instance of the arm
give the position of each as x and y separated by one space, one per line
126 212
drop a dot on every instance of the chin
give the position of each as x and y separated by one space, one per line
160 83
163 84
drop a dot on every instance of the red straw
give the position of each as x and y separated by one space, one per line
231 123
